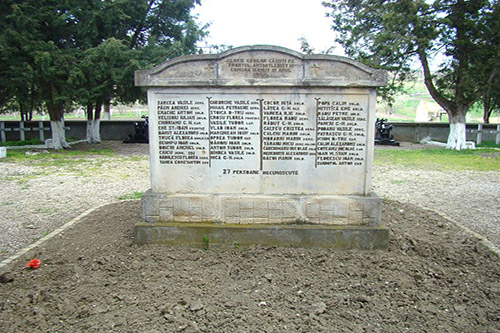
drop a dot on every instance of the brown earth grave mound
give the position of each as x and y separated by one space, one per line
433 278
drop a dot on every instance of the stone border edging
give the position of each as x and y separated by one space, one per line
54 233
482 240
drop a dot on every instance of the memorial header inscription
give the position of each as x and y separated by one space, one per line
266 126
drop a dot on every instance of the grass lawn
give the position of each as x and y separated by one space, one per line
21 143
53 157
441 159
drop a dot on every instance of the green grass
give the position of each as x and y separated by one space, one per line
131 115
440 159
23 179
405 105
81 163
416 87
72 116
21 143
206 242
54 158
131 196
45 210
488 144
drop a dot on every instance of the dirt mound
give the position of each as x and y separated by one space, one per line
433 278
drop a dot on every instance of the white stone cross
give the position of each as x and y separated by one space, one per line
315 69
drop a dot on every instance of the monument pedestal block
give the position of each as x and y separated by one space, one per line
346 221
262 209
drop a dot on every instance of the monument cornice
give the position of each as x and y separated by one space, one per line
252 66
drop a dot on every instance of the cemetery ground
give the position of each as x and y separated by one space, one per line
435 276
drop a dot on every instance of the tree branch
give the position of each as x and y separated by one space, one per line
139 28
443 102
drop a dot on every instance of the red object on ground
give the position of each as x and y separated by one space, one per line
35 263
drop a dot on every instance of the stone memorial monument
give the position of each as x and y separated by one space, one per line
261 144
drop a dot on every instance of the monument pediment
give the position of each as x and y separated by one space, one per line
262 66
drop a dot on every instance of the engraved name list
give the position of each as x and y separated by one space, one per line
216 130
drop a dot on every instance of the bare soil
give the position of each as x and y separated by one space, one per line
433 278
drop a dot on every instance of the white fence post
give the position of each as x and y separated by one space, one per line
22 137
2 131
40 130
479 136
22 130
479 133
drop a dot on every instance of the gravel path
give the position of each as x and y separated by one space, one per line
470 198
37 199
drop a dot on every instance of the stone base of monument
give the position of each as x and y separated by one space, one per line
350 222
341 237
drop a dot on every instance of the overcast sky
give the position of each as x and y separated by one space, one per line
275 22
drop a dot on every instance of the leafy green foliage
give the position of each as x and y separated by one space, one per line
393 34
58 53
489 64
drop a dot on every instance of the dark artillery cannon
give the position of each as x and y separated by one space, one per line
383 133
141 134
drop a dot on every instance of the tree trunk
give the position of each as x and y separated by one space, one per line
486 118
456 138
22 111
58 134
486 110
456 109
56 113
90 122
93 123
32 100
106 115
93 131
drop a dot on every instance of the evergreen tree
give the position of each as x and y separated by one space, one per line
390 34
58 53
